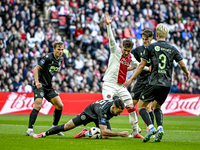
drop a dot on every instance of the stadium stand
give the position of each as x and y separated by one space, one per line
29 27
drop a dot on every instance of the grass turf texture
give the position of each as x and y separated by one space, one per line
181 132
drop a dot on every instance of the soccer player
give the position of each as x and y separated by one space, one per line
115 76
161 55
142 79
46 68
99 112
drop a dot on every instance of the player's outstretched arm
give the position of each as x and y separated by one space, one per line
138 70
35 73
110 34
108 133
184 68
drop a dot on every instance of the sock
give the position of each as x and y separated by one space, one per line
56 116
54 130
133 120
32 118
86 133
145 116
159 116
152 116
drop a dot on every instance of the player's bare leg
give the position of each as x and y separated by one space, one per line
33 116
56 101
133 120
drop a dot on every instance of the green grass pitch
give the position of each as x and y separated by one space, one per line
181 133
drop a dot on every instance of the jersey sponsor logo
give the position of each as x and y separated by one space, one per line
126 63
157 48
103 120
83 117
53 69
42 61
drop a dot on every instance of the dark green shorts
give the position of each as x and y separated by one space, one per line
153 92
48 94
137 90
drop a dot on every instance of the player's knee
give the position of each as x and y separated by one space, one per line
138 108
59 106
37 107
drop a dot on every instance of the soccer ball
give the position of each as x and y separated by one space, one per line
95 133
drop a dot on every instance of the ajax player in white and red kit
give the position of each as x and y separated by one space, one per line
115 76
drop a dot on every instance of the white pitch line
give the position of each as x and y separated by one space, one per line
112 128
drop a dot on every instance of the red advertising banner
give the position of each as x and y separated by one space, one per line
75 103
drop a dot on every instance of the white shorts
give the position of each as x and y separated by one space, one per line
109 89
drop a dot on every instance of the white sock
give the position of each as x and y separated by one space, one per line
159 127
30 129
134 122
86 133
44 134
150 126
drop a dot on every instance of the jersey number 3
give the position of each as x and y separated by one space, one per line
163 59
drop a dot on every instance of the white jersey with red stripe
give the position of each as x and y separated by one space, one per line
118 64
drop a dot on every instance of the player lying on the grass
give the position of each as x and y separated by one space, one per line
99 112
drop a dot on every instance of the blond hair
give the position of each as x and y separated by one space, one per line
162 30
60 43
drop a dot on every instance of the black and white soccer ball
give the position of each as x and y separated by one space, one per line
95 133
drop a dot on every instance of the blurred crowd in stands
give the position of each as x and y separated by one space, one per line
24 38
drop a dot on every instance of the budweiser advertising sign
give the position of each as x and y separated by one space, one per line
21 102
182 105
75 103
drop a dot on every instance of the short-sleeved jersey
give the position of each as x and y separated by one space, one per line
49 65
144 75
100 110
161 55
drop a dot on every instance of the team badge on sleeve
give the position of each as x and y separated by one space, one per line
42 61
103 120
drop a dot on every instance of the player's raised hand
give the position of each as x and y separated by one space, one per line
38 85
187 77
124 134
107 18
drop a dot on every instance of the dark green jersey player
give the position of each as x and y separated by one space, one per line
161 55
143 78
99 112
49 66
43 73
